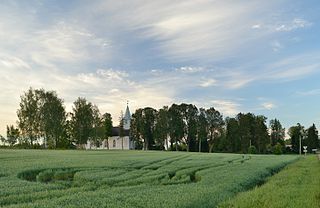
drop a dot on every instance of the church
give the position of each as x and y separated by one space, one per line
115 141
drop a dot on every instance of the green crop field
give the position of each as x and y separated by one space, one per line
298 185
42 178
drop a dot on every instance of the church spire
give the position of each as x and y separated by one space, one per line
127 117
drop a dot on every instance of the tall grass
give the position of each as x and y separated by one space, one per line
298 185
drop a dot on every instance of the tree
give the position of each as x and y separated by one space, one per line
162 127
121 128
232 135
312 140
148 126
97 133
277 133
295 133
3 140
82 121
107 126
261 136
191 118
29 117
202 128
52 119
215 125
176 126
136 128
13 135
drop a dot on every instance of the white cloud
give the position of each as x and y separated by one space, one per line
207 82
286 69
256 26
268 105
203 31
293 25
112 74
226 107
13 62
190 69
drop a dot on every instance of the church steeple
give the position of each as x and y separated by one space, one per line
127 118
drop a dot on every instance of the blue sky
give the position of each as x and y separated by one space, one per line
237 56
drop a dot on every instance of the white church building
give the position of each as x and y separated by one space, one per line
115 141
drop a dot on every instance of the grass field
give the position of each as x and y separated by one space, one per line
298 185
38 178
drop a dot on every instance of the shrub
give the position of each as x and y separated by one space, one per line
277 149
252 150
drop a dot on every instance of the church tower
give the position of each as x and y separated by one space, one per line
127 118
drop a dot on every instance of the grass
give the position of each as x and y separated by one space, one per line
298 185
39 178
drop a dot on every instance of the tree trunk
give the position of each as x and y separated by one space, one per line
188 144
176 145
167 143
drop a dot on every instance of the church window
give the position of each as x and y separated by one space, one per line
114 143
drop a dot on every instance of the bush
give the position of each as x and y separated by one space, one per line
252 150
277 149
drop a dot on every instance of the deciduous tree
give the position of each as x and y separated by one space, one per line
29 116
13 135
82 121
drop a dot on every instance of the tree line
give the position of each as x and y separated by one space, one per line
185 127
42 119
44 123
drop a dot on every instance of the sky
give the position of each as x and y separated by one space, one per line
236 56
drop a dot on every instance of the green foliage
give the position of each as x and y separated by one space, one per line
252 150
277 132
52 118
143 126
128 178
29 116
215 126
162 127
203 131
278 149
312 139
13 135
82 120
296 133
176 126
107 126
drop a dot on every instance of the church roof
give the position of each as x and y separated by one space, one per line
116 131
